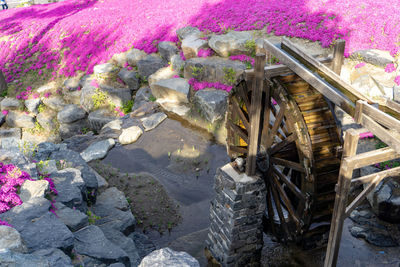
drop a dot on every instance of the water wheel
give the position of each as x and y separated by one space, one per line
297 156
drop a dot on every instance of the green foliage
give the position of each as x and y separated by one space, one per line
230 76
41 108
250 46
92 217
99 98
152 98
248 65
37 129
28 149
4 93
129 200
380 144
85 130
196 71
127 106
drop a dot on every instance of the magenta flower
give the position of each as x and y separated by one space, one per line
94 83
4 112
359 65
47 94
397 80
390 68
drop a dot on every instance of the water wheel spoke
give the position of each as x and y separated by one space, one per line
239 112
271 213
267 113
239 149
242 90
279 211
289 184
291 138
238 130
286 201
275 127
289 164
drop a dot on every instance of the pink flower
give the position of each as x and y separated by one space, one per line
47 94
397 80
121 114
5 112
390 68
35 95
359 65
94 83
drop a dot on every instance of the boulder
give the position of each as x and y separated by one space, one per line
180 109
188 31
131 78
105 69
68 130
120 59
56 103
20 119
10 133
32 105
211 104
11 259
102 183
144 109
191 46
149 65
98 118
152 121
232 43
70 113
373 56
112 129
133 56
376 238
142 243
172 90
142 95
169 257
167 50
54 256
10 104
72 218
72 83
2 119
113 197
10 239
177 63
91 241
37 137
73 97
120 220
32 189
70 186
212 69
162 74
47 119
98 150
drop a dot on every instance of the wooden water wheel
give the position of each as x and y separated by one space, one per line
297 156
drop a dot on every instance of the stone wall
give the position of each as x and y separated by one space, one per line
235 236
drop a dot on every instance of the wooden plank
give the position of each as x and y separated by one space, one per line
368 178
289 164
238 149
345 174
236 109
372 157
241 132
379 116
338 56
279 210
242 91
277 123
326 73
320 85
291 138
287 181
255 114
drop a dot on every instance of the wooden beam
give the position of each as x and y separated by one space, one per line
368 178
317 82
326 73
255 114
338 56
371 157
379 116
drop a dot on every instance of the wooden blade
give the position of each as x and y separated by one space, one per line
279 210
242 91
270 209
278 122
240 113
291 138
289 184
289 164
239 149
240 131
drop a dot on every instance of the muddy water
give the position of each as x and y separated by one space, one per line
184 161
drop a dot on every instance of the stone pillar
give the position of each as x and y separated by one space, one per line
235 236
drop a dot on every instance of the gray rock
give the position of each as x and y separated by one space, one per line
116 265
173 90
167 50
130 135
119 220
232 43
54 102
10 133
20 119
188 31
120 59
131 78
12 156
75 160
374 56
73 97
177 63
149 65
38 227
105 69
3 83
98 150
102 183
70 186
91 241
15 259
47 119
113 197
376 238
37 138
2 119
143 244
145 108
124 242
133 56
72 83
68 130
10 104
54 256
168 257
212 69
72 218
211 103
98 118
142 95
47 166
32 105
112 129
152 121
191 46
32 189
10 239
70 113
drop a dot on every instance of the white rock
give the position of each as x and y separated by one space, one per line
191 46
32 189
167 257
10 239
152 121
130 135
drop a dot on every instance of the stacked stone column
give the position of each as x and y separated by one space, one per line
235 236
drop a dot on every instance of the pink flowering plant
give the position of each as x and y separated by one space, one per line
249 61
205 52
359 65
197 85
390 68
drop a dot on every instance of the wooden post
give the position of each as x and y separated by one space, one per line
338 56
255 114
342 191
